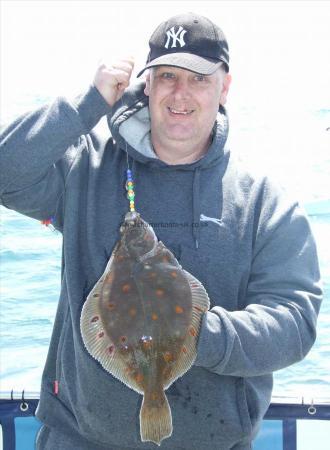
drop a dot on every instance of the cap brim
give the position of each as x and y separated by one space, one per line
188 61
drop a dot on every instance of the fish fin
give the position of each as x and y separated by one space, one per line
99 284
109 263
200 304
99 344
155 419
200 299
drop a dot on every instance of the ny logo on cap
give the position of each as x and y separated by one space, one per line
176 36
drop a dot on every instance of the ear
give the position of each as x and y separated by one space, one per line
225 88
147 86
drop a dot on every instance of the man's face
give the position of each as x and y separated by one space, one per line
183 105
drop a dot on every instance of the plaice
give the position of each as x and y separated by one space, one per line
141 321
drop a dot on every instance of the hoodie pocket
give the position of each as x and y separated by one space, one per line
209 411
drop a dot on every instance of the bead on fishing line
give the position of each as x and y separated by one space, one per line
130 189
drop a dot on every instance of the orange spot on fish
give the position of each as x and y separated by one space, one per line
154 316
120 258
174 274
152 275
147 345
132 312
139 377
111 305
178 309
123 338
95 319
192 331
168 356
126 288
100 335
184 350
109 278
111 349
165 259
160 292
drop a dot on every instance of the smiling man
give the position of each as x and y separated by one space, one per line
183 106
186 85
239 234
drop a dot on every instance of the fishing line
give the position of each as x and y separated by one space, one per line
129 185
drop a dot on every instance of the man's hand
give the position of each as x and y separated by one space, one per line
111 81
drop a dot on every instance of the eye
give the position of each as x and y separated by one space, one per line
200 77
167 75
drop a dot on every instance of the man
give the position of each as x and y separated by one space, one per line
240 235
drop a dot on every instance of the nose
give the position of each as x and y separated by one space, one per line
181 90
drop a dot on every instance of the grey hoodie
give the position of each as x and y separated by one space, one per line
239 234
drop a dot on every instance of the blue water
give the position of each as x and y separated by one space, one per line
30 259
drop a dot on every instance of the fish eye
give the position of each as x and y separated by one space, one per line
134 232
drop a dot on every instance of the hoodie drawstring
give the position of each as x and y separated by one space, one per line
196 207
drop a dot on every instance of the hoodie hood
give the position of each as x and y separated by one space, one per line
129 123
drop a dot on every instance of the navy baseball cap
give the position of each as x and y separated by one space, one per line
188 41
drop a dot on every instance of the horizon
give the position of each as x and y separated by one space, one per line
55 48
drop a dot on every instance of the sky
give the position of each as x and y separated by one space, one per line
279 50
279 62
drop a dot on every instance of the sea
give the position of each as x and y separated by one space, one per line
292 147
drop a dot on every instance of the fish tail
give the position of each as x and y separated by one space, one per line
155 419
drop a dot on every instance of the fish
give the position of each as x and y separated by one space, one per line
141 321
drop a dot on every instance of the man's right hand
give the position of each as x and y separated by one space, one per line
111 81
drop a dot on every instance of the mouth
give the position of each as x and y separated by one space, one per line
178 112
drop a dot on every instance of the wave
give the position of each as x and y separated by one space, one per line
318 207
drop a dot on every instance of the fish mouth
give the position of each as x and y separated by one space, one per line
132 218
